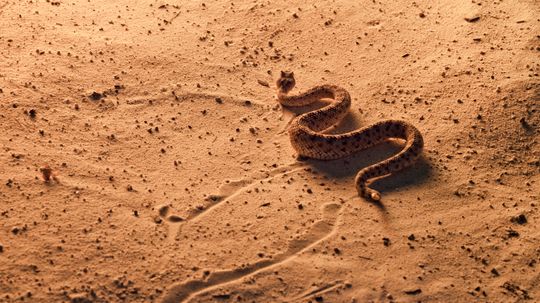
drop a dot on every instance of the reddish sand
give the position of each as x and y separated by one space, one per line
172 178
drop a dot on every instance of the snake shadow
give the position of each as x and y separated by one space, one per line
346 168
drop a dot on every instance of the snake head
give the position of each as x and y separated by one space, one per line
286 81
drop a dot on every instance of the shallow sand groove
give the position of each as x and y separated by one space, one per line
320 230
227 192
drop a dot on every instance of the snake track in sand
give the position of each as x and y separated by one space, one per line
309 140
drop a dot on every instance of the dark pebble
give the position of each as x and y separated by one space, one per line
521 219
472 19
32 113
525 124
414 291
174 218
95 96
512 233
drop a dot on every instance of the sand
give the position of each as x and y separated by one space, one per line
173 178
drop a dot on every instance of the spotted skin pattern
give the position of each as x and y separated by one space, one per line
309 140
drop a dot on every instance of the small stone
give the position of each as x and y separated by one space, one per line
215 198
411 237
79 298
521 219
1 248
495 272
32 113
386 241
175 219
219 100
525 124
512 233
413 292
95 96
263 83
473 18
163 210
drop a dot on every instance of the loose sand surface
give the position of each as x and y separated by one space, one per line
173 178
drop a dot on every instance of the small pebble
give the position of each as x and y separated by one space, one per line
263 83
521 219
95 96
32 113
472 19
414 291
163 210
174 218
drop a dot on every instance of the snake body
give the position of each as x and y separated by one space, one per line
307 135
